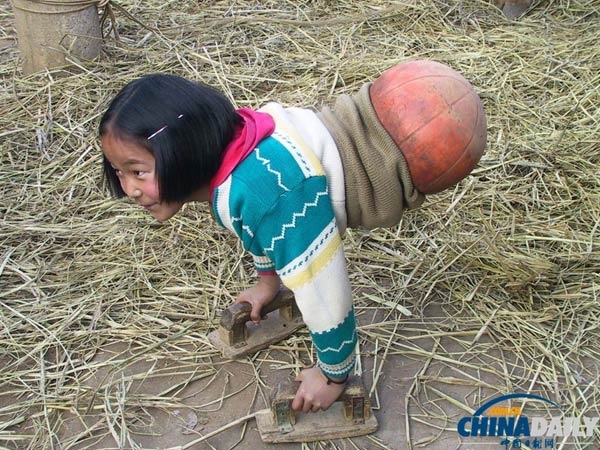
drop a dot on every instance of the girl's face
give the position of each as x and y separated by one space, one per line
135 167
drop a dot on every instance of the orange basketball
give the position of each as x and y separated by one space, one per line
436 119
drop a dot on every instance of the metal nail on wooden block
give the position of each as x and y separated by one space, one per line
237 336
349 416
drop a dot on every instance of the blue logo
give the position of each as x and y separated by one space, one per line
519 430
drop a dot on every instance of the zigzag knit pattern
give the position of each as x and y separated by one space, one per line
277 202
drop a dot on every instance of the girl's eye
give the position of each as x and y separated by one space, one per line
138 173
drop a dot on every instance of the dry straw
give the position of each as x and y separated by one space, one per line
492 287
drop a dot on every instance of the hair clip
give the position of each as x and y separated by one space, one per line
156 132
161 129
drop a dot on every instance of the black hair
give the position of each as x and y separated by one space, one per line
197 124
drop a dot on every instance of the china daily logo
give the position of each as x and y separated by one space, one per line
518 430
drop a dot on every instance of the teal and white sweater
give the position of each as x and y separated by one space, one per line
285 201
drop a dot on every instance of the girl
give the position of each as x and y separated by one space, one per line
288 181
168 141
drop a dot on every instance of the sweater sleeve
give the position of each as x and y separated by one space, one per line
300 236
263 265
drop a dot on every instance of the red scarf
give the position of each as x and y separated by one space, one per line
256 126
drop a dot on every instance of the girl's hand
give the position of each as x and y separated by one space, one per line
259 295
314 393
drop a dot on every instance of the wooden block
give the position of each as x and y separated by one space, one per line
349 416
330 424
238 336
268 331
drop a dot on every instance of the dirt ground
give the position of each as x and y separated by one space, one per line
437 380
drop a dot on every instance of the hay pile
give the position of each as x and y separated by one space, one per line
509 260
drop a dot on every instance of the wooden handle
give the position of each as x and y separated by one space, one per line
239 313
354 389
356 409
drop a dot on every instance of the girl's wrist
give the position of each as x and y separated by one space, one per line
270 280
335 380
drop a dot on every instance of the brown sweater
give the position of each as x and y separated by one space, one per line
377 180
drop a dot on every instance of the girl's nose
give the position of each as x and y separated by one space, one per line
136 193
131 190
